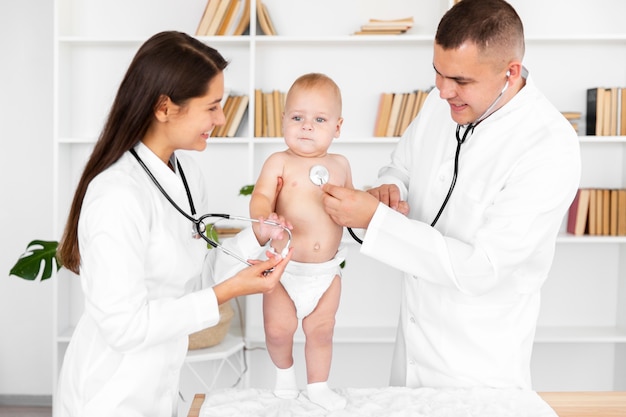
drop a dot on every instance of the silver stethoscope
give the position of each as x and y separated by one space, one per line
199 228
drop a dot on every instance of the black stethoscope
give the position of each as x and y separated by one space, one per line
198 225
460 140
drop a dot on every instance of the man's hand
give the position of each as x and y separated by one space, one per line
348 207
389 194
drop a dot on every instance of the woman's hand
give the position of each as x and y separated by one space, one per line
261 277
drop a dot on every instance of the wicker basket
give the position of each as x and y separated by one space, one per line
213 335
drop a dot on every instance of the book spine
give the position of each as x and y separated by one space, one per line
592 97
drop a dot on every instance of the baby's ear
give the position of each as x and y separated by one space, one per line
338 129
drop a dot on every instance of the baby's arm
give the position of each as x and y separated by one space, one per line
348 171
265 193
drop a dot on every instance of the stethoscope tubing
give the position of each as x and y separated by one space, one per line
459 141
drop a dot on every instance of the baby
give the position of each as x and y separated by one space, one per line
311 285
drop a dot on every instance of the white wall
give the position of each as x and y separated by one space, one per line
25 186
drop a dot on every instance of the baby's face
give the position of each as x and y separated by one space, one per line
311 121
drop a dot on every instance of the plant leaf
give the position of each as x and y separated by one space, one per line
28 266
246 189
211 233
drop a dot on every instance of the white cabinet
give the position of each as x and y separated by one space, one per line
569 50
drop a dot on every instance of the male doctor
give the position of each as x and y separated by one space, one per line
469 207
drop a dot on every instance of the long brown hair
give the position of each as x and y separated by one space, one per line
171 64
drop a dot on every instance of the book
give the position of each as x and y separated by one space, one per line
393 115
269 21
258 113
382 117
421 97
237 118
244 20
207 16
407 112
606 212
269 114
571 115
401 21
593 207
621 212
278 112
218 17
613 91
622 129
613 213
385 27
403 104
218 131
263 17
578 212
229 17
592 105
599 212
378 32
605 111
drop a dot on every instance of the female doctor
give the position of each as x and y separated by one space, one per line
478 237
140 267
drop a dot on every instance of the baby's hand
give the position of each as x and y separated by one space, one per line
271 231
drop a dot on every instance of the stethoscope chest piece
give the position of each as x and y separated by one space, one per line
197 229
319 174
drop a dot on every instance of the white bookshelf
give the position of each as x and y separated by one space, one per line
583 317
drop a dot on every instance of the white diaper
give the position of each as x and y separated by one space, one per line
307 282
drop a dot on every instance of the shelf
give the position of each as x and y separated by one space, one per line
65 335
335 40
599 37
575 334
586 239
602 139
351 40
88 41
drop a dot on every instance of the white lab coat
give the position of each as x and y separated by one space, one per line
140 274
472 283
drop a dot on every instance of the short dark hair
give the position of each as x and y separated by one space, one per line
490 24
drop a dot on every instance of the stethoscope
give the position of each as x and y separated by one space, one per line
460 140
198 225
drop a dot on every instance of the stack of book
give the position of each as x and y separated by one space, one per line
235 107
573 117
606 111
396 111
224 18
598 212
386 27
268 113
